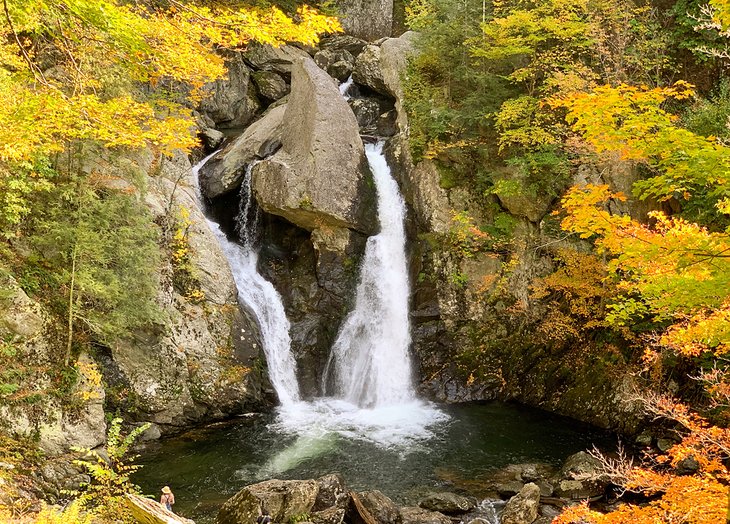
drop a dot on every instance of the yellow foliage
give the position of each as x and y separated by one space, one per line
72 70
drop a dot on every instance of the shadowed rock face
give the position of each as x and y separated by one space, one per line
224 172
319 177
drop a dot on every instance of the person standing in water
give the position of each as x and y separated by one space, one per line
168 498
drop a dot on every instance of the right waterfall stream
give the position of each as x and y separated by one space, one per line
368 377
369 361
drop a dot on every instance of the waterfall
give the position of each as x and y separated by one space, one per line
257 294
369 360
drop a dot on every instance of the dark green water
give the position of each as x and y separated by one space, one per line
205 467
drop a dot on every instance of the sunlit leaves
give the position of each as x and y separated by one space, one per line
679 269
73 70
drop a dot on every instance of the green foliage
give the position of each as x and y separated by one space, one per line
299 517
710 116
96 245
110 480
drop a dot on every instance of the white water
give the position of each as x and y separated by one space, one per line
345 87
369 360
374 399
259 296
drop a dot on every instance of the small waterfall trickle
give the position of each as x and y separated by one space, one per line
370 360
258 294
345 87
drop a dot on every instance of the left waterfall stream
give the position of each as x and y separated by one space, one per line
255 292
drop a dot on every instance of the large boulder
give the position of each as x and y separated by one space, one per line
36 338
367 19
319 177
523 507
231 102
368 71
413 515
270 85
196 363
447 503
223 173
332 492
580 477
282 498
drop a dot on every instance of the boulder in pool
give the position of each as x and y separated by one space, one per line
282 498
372 507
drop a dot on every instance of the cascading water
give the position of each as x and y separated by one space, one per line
369 359
258 294
374 399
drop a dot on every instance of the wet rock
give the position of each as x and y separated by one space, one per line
548 511
282 498
523 507
546 489
367 70
366 19
386 125
231 102
212 139
319 176
509 489
338 63
447 503
367 112
414 515
374 508
332 492
223 173
277 59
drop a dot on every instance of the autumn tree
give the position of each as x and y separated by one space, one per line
672 272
